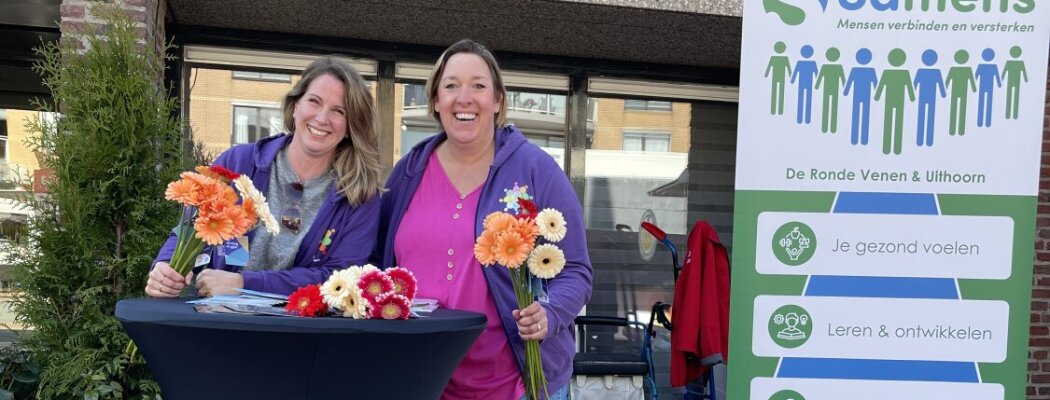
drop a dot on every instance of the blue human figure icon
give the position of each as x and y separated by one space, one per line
988 80
929 84
805 73
862 81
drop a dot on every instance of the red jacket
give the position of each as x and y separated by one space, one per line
700 335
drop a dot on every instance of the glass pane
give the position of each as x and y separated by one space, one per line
243 122
410 138
632 143
668 168
18 161
415 96
657 144
270 122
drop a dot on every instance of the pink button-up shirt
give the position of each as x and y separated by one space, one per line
436 242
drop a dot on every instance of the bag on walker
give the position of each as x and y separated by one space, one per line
608 387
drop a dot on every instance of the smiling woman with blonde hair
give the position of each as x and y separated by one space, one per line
321 180
439 194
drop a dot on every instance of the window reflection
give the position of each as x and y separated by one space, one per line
251 123
540 116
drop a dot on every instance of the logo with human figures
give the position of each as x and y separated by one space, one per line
790 326
787 395
794 243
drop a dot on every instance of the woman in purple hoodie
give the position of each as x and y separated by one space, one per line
321 180
439 195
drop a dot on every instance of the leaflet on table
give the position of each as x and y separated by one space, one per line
238 299
241 309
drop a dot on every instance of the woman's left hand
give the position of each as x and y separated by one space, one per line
532 322
215 282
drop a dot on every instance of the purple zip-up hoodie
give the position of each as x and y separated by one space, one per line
353 229
517 162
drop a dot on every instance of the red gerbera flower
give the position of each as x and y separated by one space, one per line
391 306
404 282
225 173
374 283
306 302
526 209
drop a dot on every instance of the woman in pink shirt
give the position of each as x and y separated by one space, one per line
440 193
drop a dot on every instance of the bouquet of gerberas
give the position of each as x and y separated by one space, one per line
512 241
210 213
358 292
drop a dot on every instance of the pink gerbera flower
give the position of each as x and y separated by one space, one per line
374 283
404 282
391 306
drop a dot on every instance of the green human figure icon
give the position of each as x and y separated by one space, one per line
780 67
894 83
1013 74
832 76
960 82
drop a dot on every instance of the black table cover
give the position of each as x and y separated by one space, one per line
198 356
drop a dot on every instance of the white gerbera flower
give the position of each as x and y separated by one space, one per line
338 287
552 224
262 209
546 261
354 306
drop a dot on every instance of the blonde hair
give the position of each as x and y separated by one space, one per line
356 162
475 48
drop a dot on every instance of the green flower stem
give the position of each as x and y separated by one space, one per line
535 379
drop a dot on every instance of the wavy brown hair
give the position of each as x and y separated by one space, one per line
356 163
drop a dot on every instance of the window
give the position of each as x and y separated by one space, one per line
409 139
553 142
261 76
647 142
647 105
251 123
415 96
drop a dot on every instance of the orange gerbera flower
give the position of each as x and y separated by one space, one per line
214 228
219 197
249 209
528 230
241 222
511 250
498 222
485 248
203 170
183 191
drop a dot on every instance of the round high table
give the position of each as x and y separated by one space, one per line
200 356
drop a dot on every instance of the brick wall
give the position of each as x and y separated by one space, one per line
612 120
77 16
1039 343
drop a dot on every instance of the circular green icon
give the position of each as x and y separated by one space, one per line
787 395
790 326
794 243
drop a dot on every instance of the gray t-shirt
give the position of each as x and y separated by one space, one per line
277 252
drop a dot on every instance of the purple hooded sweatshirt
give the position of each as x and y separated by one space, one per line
353 229
517 163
